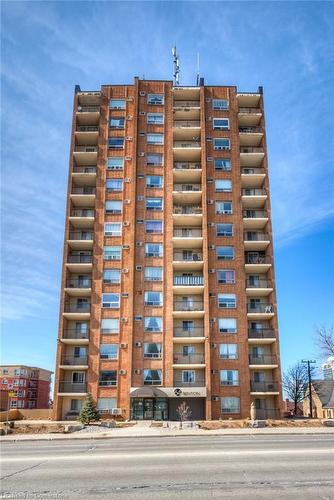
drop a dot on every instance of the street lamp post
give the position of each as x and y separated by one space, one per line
309 362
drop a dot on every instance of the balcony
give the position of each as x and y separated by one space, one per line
82 218
266 414
88 115
263 361
187 171
186 130
264 388
251 156
187 237
80 240
187 150
187 124
186 110
255 219
85 154
74 362
257 263
249 117
260 310
258 287
83 196
264 335
181 284
187 144
87 134
196 359
187 192
193 308
187 214
198 382
68 388
89 98
252 177
82 310
256 240
253 197
180 333
73 336
250 136
79 262
78 287
188 260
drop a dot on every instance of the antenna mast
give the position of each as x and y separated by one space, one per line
176 67
197 80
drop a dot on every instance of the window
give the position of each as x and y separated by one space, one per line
222 164
5 371
105 405
116 142
153 250
110 325
224 230
188 350
154 159
155 118
76 405
152 350
17 372
220 104
230 405
154 181
229 377
112 253
227 301
152 324
153 299
152 377
157 99
111 276
108 378
225 253
221 124
113 207
223 207
188 376
109 351
188 325
226 276
155 139
16 382
4 381
153 226
115 163
114 185
78 377
223 186
219 144
153 203
117 123
110 300
228 351
117 104
153 274
113 229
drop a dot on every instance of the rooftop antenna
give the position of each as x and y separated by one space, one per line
176 67
197 80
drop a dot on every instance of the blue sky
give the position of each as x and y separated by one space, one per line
48 47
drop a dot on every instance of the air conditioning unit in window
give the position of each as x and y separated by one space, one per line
208 99
215 398
211 247
125 295
139 268
128 158
141 154
128 138
140 221
137 371
130 99
210 202
116 411
209 138
125 270
79 108
124 320
122 372
125 247
137 344
139 243
123 346
212 271
209 179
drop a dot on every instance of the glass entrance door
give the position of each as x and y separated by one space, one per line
148 409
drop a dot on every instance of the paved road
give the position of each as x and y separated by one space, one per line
200 467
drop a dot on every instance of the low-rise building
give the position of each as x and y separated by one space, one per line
322 399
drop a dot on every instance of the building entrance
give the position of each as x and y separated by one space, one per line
149 409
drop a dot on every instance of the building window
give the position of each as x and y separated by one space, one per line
117 104
226 276
111 276
113 207
223 207
153 226
224 230
110 325
154 160
76 405
188 376
113 229
106 405
229 377
157 99
230 405
222 164
219 144
154 204
153 274
153 250
223 186
109 351
152 324
227 301
225 253
154 181
5 371
108 378
112 253
13 403
155 118
116 142
114 185
110 300
152 350
115 163
117 123
153 299
221 124
220 104
228 351
157 139
152 377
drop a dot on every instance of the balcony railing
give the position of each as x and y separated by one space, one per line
72 387
85 149
196 331
79 259
188 280
258 283
189 257
81 212
187 165
249 110
187 233
253 192
256 236
187 209
91 169
88 128
187 123
186 104
83 190
267 414
88 109
260 308
263 333
255 214
187 144
196 383
257 259
75 308
264 359
74 360
187 187
72 333
253 171
247 149
196 358
250 130
264 386
195 305
78 283
80 235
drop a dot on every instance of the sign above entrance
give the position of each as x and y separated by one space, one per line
176 392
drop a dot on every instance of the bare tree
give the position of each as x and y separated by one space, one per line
324 337
295 381
183 411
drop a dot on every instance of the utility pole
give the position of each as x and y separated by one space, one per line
309 362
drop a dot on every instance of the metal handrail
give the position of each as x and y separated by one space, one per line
260 308
259 283
252 170
257 259
256 236
91 169
87 128
187 165
180 358
68 307
187 187
263 333
82 212
72 333
196 383
78 283
83 190
88 109
254 214
268 386
188 280
80 259
196 331
187 209
248 149
80 235
253 192
186 104
195 305
249 110
187 233
193 257
74 360
85 149
263 359
254 130
187 144
72 387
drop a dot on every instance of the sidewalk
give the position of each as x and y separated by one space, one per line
143 432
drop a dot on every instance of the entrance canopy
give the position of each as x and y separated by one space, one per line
148 392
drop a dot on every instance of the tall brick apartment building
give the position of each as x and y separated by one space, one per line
31 386
168 291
